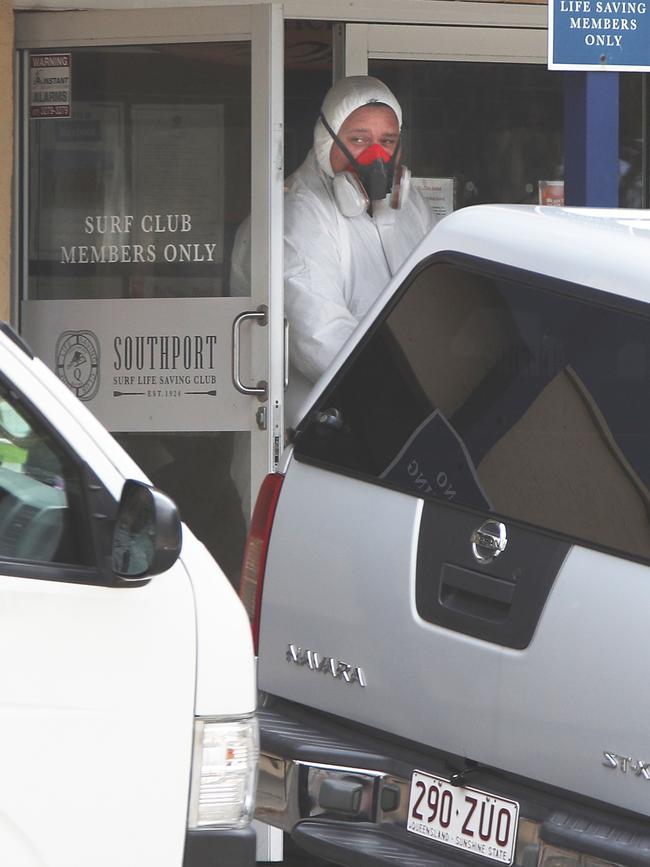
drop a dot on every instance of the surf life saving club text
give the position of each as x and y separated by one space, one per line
169 360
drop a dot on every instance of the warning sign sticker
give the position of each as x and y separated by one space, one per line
50 85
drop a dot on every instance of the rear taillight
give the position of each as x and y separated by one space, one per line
257 546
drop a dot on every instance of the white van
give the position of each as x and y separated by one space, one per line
127 686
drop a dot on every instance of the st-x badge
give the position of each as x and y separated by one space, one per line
626 764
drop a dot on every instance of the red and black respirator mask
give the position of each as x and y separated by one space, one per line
370 178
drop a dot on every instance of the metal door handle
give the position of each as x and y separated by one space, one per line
260 316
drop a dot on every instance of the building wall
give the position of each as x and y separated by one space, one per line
6 150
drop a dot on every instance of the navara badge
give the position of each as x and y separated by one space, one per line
316 661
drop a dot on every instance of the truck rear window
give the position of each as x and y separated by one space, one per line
503 393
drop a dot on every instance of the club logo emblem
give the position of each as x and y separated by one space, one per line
77 362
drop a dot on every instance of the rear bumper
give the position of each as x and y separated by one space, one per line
220 848
343 795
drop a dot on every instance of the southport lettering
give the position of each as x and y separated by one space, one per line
164 352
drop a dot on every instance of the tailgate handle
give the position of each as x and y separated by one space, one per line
475 594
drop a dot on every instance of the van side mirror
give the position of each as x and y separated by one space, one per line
147 536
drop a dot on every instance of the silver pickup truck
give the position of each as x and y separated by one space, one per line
449 577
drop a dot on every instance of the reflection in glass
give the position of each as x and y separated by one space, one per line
632 117
134 534
208 477
490 394
138 196
496 128
140 192
42 511
308 56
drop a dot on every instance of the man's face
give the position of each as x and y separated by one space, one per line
366 126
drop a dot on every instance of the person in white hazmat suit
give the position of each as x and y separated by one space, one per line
350 221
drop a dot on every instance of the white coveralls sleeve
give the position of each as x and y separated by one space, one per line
314 284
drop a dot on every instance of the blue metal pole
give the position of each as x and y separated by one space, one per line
591 163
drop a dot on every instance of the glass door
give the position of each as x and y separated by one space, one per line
483 114
136 287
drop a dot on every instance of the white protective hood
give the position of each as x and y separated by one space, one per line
347 95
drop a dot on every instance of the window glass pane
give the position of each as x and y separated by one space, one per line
496 128
307 78
490 394
208 477
139 193
631 138
41 509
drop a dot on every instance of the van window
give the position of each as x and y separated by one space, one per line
40 492
492 393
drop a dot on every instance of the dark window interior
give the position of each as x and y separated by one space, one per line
307 78
155 131
488 393
633 136
42 514
496 128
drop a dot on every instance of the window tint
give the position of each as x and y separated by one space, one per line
40 492
492 394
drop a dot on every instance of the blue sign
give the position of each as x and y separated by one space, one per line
611 35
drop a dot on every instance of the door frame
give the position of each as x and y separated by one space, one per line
478 13
489 29
262 25
460 42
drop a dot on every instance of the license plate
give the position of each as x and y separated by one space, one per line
465 818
